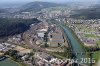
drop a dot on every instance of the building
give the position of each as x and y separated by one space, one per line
56 38
41 32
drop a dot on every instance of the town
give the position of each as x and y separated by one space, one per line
46 43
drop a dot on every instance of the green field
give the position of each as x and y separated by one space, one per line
98 42
92 35
8 62
96 55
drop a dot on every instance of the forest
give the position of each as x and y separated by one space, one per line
11 26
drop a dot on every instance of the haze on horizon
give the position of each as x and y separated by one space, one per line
63 1
21 2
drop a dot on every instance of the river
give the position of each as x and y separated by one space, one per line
77 49
8 62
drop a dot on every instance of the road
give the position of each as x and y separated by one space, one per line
29 41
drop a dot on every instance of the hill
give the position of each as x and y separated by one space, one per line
37 6
90 13
10 27
3 10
